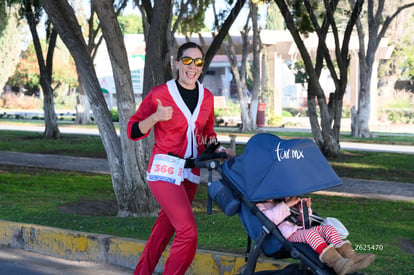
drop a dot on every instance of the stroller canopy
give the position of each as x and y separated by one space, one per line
271 167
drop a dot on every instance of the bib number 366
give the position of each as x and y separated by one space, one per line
167 168
164 169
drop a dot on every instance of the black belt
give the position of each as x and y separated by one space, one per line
189 162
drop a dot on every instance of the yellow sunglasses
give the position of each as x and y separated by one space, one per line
199 62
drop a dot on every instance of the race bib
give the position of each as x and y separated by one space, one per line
167 168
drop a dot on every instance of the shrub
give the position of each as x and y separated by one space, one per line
232 110
297 112
346 112
274 120
400 100
115 115
399 115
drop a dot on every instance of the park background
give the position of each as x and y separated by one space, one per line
70 100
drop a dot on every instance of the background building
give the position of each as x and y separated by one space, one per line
279 50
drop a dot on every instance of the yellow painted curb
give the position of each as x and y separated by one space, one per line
125 252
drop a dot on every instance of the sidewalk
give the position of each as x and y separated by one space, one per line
23 262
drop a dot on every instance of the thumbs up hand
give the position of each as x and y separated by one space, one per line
163 113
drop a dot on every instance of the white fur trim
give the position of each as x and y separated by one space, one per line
191 119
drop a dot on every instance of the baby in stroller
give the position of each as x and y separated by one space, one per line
324 239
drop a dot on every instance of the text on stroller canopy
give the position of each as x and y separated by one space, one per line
288 153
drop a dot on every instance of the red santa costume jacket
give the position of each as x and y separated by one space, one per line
185 134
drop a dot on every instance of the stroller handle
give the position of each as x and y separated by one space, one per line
209 160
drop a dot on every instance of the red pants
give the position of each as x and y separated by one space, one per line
176 216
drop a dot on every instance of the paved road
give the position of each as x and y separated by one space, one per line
22 262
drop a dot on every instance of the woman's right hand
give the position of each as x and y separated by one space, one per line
163 113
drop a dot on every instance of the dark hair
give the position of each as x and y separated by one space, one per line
188 45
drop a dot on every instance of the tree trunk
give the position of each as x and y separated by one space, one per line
321 130
9 38
326 134
361 117
94 41
82 105
248 113
133 193
157 68
64 19
239 79
257 45
51 125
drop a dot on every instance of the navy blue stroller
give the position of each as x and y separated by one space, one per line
271 168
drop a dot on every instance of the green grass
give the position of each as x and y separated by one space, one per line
375 166
33 142
31 195
377 224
